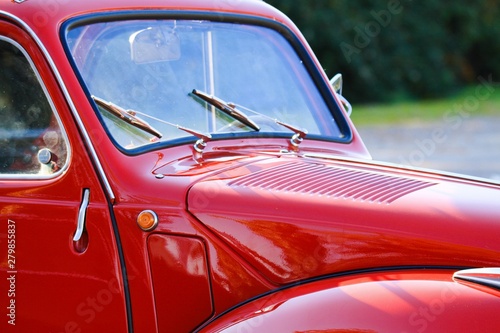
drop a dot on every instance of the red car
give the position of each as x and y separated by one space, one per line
186 165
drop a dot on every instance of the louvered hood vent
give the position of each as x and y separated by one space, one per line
322 180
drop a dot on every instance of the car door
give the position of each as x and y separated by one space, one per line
59 260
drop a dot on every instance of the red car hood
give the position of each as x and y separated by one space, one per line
294 218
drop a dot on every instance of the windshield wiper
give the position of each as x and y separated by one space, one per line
227 108
129 116
230 109
296 139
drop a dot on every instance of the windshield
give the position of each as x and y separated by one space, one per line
154 73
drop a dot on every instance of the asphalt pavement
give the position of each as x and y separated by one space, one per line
467 146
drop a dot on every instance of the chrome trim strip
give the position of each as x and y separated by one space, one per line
59 79
402 167
488 277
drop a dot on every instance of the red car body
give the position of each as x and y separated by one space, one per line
238 233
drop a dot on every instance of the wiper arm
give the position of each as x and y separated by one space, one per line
296 139
129 116
227 108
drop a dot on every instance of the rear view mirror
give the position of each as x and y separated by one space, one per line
154 44
336 82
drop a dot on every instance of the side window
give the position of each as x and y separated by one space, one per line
31 139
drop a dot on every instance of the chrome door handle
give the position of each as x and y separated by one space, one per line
80 226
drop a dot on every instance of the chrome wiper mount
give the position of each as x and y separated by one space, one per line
299 135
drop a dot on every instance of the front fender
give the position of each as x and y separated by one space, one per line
385 301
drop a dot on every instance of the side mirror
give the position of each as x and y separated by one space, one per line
336 82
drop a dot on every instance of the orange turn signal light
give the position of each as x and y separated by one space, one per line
147 220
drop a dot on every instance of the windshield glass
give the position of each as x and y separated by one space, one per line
149 75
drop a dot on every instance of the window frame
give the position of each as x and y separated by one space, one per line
55 114
346 133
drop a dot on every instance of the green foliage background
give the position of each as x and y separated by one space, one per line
392 50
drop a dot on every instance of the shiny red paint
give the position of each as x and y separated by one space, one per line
401 301
344 215
56 287
252 218
180 261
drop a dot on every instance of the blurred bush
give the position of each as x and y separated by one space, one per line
391 50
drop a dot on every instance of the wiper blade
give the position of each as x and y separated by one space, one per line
227 108
129 116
